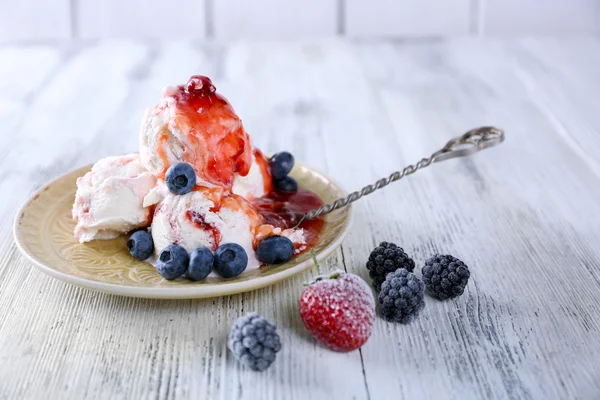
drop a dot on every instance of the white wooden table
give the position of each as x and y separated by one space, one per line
524 216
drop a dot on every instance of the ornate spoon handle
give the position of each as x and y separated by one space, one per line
467 144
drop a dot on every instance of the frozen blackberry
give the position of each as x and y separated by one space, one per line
386 258
445 276
402 296
254 341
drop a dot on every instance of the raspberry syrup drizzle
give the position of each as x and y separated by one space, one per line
265 169
284 210
218 147
198 220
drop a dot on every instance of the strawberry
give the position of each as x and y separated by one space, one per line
339 310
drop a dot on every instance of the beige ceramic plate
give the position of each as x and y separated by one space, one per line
44 233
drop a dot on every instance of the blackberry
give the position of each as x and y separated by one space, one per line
386 258
402 296
445 276
254 341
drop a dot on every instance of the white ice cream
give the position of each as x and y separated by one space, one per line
157 133
253 184
205 218
194 124
109 198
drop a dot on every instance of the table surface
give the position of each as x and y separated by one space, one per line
524 216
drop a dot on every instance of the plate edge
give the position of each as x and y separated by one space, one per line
164 293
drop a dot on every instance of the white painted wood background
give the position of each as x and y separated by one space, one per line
524 216
277 19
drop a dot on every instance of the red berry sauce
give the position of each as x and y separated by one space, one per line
198 220
218 146
285 210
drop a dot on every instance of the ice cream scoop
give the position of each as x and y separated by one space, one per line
196 125
258 182
109 198
206 218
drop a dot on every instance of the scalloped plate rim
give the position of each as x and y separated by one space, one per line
180 293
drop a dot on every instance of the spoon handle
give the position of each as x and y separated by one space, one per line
465 145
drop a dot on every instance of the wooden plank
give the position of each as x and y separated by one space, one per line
509 213
529 17
24 69
284 118
520 215
407 18
239 19
64 335
62 113
561 89
176 19
23 72
34 20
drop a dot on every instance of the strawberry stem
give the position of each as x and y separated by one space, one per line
314 257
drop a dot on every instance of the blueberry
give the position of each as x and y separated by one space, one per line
172 262
180 178
140 245
275 250
287 184
230 260
201 263
281 165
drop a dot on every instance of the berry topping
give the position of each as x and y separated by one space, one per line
172 262
281 165
338 310
401 297
254 342
386 258
287 184
180 178
445 276
285 211
230 260
275 250
200 83
140 245
207 132
201 263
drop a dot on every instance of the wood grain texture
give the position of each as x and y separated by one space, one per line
35 20
292 19
530 17
522 216
269 19
174 19
407 18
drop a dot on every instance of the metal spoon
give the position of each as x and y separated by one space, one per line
471 142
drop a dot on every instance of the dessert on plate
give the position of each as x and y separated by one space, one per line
109 198
198 197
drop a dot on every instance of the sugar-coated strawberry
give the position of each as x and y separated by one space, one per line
339 310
